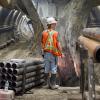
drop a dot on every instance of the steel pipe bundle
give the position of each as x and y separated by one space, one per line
29 63
28 75
29 80
29 86
21 75
29 69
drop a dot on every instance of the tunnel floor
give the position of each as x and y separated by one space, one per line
63 93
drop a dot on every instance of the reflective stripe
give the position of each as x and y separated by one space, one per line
50 43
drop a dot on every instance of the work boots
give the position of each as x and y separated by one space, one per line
47 81
53 82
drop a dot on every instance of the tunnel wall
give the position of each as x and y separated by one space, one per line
21 23
47 8
72 18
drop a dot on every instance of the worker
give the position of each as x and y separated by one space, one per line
52 49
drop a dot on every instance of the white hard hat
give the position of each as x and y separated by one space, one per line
51 20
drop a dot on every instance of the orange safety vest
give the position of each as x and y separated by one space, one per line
50 42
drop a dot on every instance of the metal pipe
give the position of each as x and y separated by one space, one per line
17 78
8 64
92 33
30 80
2 64
16 84
18 60
9 77
4 70
34 79
10 70
4 76
10 84
92 46
18 71
28 75
29 69
29 86
30 63
17 65
35 62
3 82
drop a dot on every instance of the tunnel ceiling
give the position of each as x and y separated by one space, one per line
9 3
60 1
95 2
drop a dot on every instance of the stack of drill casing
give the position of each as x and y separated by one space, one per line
21 75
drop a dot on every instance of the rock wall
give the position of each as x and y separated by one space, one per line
72 18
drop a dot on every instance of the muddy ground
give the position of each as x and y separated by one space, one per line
19 50
47 94
63 93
